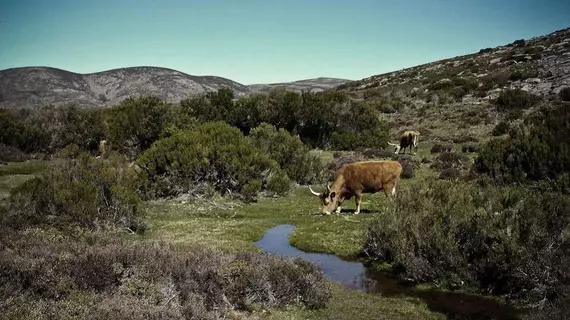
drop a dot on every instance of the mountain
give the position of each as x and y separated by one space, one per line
452 99
39 86
313 85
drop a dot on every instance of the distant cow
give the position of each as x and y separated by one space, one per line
102 148
357 178
408 139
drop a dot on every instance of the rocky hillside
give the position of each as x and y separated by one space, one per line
312 85
38 86
452 99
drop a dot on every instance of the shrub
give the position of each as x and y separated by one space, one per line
87 192
438 148
289 152
564 94
470 148
213 153
539 150
460 235
450 174
135 124
12 154
408 168
67 278
514 99
501 128
377 153
447 160
25 137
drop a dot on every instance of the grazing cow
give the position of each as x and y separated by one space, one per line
409 139
102 148
357 178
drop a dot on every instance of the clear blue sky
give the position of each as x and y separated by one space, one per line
260 41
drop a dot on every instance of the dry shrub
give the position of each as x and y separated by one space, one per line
117 280
485 239
84 192
448 160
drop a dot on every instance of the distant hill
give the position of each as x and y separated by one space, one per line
38 86
312 85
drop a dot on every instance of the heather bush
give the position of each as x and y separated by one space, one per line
447 160
483 239
49 276
438 148
289 152
84 192
214 154
501 128
515 99
537 150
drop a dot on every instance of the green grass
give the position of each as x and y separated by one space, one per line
229 225
16 173
27 167
347 304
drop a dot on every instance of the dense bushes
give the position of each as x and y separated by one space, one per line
538 151
86 192
213 154
17 134
135 124
289 152
322 120
45 276
488 239
515 99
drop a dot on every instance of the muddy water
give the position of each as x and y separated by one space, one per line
354 275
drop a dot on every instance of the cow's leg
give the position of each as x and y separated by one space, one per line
358 200
390 190
338 208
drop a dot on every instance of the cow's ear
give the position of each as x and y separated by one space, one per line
332 195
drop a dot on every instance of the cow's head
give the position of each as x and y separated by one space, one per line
396 147
329 199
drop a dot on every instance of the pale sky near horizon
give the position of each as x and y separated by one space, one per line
263 41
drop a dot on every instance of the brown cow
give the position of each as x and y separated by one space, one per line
408 139
357 178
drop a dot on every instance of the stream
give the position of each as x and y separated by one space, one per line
354 275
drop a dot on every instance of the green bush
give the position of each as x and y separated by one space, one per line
17 134
501 128
62 278
289 152
214 154
514 99
134 124
482 239
539 150
87 192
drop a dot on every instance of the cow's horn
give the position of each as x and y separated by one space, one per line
315 193
329 187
